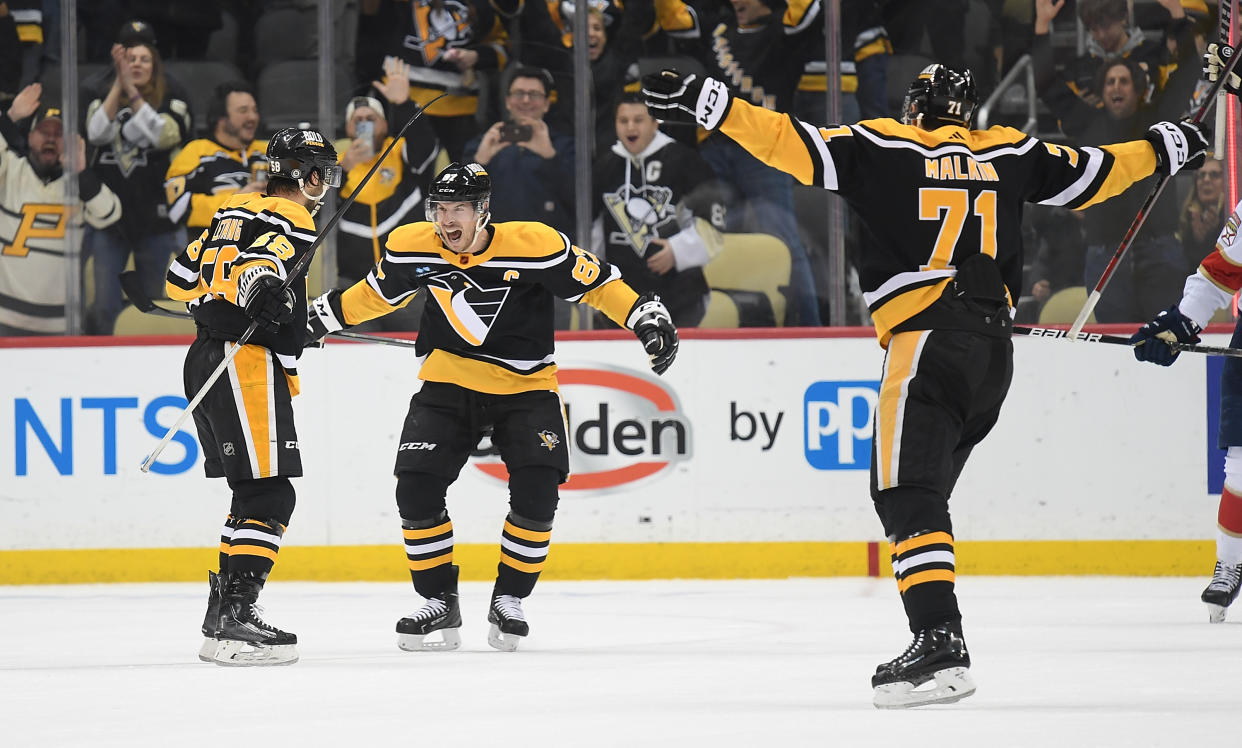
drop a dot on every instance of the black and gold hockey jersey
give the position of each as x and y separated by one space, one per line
427 29
248 229
931 199
488 321
205 174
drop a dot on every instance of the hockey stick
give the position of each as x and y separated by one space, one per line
132 286
1128 239
1095 337
298 271
1224 26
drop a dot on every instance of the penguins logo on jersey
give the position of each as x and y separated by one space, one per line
126 155
469 308
643 214
436 25
549 439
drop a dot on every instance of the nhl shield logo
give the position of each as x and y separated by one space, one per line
549 439
229 450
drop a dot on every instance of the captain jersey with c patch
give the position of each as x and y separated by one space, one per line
489 318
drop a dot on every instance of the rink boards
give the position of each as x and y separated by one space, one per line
748 459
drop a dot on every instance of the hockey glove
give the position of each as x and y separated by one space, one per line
675 97
323 316
1179 145
1214 61
1153 340
650 321
259 292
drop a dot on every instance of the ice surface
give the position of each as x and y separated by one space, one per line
1059 662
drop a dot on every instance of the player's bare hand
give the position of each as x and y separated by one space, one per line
26 102
661 261
396 84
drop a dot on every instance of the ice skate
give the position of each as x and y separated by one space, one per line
207 650
1221 591
508 622
244 638
439 613
934 669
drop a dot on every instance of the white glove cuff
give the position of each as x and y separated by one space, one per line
650 307
712 104
1175 145
246 282
321 307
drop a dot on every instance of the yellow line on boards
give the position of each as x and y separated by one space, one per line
622 561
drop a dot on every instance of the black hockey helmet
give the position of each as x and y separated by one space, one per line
940 96
295 154
461 183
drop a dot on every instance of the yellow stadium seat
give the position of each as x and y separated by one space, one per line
721 311
752 262
1064 305
133 322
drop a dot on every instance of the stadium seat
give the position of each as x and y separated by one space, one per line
1064 305
285 34
133 322
288 94
49 77
721 312
752 263
199 78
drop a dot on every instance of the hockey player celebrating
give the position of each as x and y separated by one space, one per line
487 334
230 276
944 204
1210 288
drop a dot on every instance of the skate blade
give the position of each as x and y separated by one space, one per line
502 641
1216 613
207 650
236 653
450 641
945 687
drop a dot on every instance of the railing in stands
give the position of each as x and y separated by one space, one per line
1023 65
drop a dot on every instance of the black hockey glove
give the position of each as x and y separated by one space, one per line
323 316
1152 341
686 98
259 292
1214 61
1179 145
650 321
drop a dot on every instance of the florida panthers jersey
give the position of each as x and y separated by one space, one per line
1219 276
931 199
248 229
488 321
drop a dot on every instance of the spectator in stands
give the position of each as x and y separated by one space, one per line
33 215
448 44
21 45
533 160
1203 213
394 194
944 22
762 54
133 129
865 50
614 65
659 214
1111 36
1058 250
209 170
1154 267
183 26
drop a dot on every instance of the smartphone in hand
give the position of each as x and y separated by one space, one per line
512 132
365 131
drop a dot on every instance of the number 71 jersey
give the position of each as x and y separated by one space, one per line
930 199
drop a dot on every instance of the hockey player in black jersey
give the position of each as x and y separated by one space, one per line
487 334
944 204
231 276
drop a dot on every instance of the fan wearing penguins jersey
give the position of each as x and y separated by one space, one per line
487 334
660 212
230 277
944 205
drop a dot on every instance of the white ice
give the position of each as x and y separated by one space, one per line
1059 662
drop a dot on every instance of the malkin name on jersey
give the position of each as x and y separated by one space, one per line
959 167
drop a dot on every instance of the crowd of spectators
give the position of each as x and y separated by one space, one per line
169 146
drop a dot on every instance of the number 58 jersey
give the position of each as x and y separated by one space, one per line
488 323
931 199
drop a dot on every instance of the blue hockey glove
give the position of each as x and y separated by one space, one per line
1152 341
